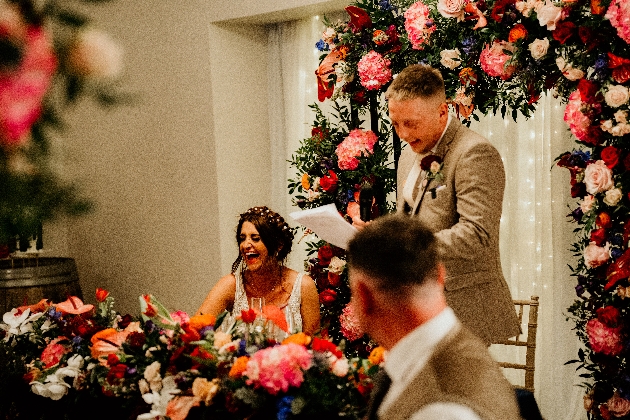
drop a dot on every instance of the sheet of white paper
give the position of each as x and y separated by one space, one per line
327 224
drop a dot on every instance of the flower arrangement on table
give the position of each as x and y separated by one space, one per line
496 56
171 365
51 56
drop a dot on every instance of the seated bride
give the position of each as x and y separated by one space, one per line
264 240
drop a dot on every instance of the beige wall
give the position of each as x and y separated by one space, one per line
170 174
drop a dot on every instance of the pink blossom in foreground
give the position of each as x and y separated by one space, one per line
494 60
350 327
618 14
277 368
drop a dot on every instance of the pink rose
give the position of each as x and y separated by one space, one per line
595 256
549 15
53 353
578 121
598 177
452 8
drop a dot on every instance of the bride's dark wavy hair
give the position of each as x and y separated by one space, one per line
274 232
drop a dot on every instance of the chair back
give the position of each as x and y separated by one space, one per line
528 341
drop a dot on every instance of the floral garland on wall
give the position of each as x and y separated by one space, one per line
51 56
496 57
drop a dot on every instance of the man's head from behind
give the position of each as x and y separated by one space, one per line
395 271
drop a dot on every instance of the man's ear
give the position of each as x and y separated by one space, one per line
441 271
365 297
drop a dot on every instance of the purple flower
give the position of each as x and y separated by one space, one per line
53 314
385 5
576 214
468 45
284 407
205 330
131 371
616 253
579 290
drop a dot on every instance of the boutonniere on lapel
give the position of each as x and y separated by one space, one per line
432 165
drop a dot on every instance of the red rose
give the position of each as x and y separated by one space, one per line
618 270
333 279
329 182
317 132
328 296
425 163
324 254
322 346
517 32
598 236
609 316
610 156
578 190
588 90
603 220
112 359
564 30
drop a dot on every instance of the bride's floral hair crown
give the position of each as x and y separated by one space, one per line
274 232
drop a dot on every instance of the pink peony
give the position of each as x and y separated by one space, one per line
578 121
598 177
358 142
494 60
277 368
418 25
95 54
596 256
604 339
180 317
374 70
22 90
350 327
619 16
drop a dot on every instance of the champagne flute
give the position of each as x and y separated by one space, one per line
257 304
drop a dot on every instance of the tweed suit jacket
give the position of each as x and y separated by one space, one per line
464 212
461 371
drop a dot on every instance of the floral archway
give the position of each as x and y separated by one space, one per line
496 57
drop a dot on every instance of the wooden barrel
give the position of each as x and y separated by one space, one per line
25 281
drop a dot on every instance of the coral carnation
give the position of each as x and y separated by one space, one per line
604 339
494 61
374 70
619 16
418 25
358 142
277 368
350 327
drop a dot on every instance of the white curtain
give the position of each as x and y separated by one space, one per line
535 232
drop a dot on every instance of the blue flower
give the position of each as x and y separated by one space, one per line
76 341
54 314
468 45
284 407
385 5
616 253
241 348
322 46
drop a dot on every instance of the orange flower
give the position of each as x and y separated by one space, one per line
198 322
377 356
74 306
597 8
101 294
151 310
468 76
239 367
306 183
300 338
517 32
40 306
107 341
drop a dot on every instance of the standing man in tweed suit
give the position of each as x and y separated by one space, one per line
452 179
435 367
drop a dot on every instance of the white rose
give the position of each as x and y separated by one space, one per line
52 388
450 58
573 74
452 8
340 367
561 63
587 204
616 96
549 15
95 54
613 196
538 48
595 256
607 125
621 116
617 130
336 265
598 177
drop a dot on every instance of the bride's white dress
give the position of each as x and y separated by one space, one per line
291 309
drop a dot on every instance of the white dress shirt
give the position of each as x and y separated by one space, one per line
409 356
